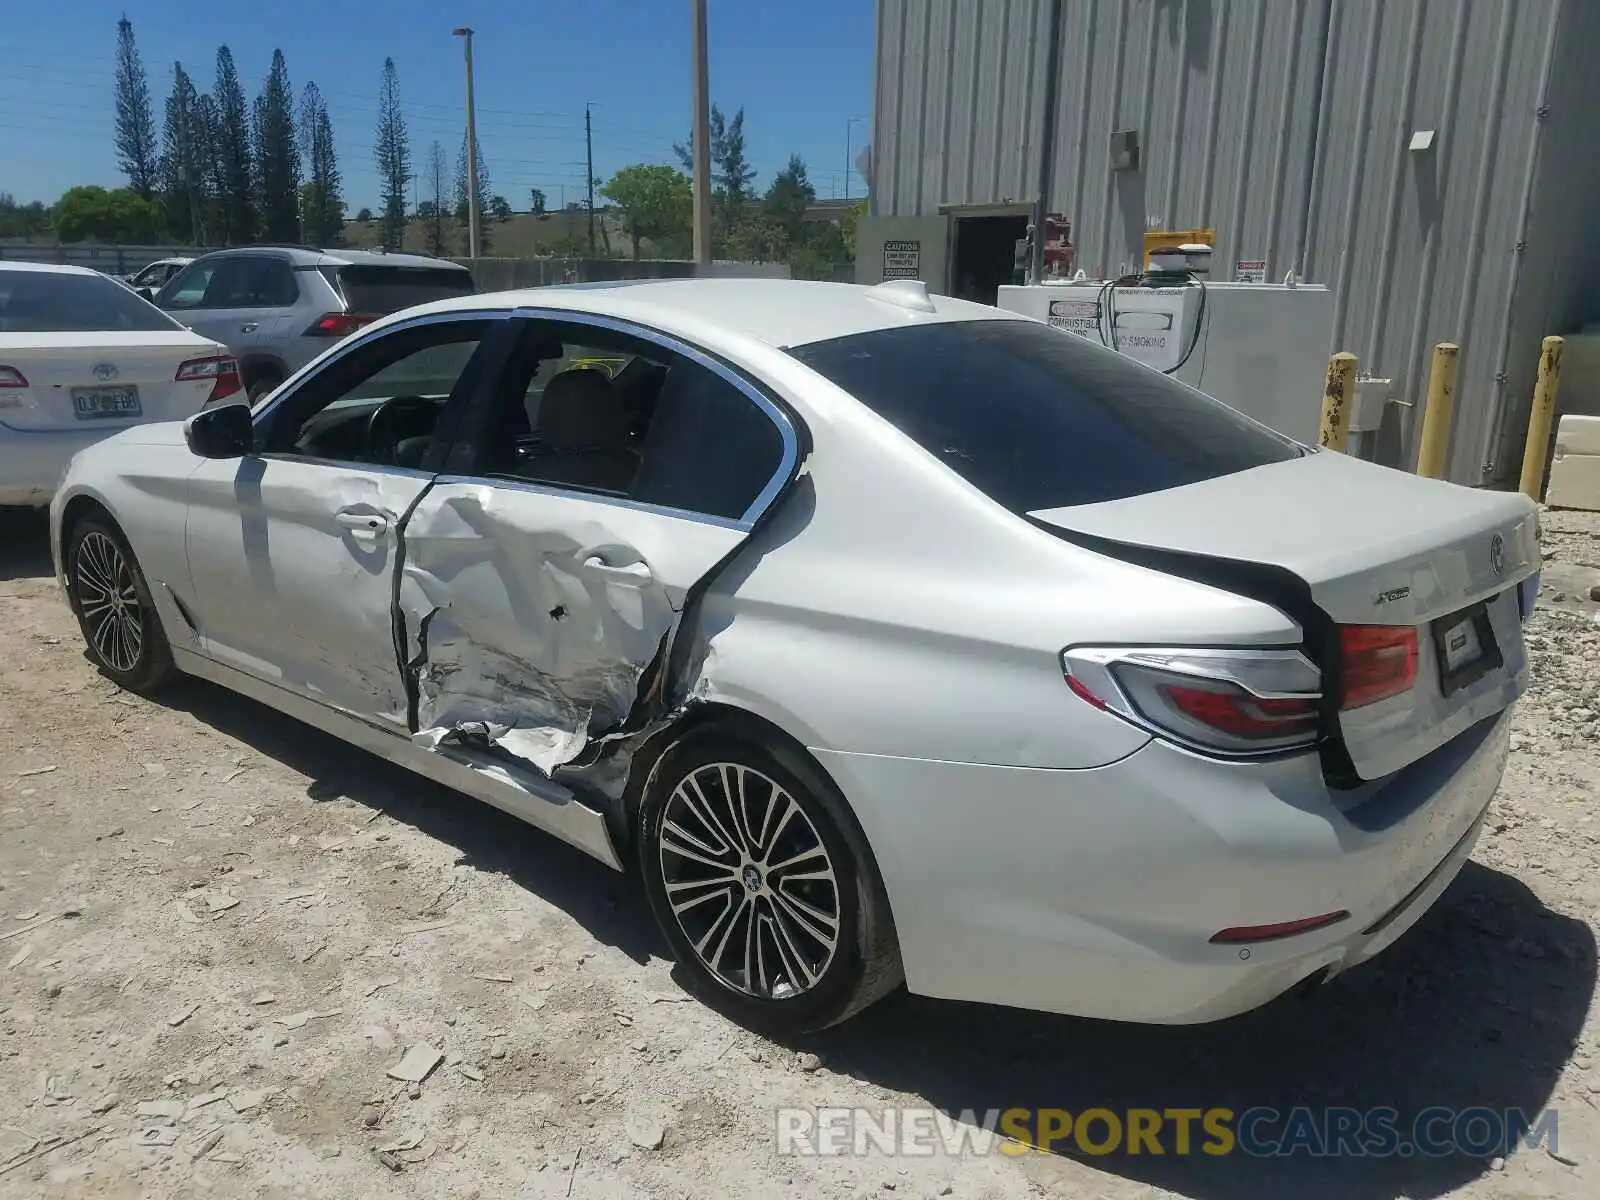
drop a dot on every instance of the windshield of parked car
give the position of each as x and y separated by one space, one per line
1037 418
383 290
52 302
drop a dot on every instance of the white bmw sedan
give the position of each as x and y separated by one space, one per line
81 357
889 637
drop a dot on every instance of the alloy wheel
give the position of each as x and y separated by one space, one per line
109 602
749 881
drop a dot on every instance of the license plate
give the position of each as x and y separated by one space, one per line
90 403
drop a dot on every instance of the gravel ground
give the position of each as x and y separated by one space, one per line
222 929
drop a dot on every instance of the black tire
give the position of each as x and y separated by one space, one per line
122 631
261 384
806 985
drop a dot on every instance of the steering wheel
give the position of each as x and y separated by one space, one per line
394 420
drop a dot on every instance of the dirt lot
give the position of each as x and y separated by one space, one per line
213 908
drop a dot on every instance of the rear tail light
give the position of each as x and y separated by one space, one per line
338 324
221 370
1235 703
10 377
1268 933
1375 663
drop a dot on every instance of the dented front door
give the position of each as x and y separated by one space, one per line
292 564
530 614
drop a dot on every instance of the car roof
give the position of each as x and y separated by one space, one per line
310 256
47 268
777 312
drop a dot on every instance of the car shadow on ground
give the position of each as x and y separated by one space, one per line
605 903
24 543
1479 1006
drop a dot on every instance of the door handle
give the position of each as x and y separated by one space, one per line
368 523
637 573
249 327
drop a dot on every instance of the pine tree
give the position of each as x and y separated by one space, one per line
136 125
212 184
324 207
277 156
463 199
231 145
436 183
183 169
392 153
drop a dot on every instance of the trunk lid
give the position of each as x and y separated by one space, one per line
1371 546
101 380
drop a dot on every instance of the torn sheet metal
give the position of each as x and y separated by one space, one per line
513 642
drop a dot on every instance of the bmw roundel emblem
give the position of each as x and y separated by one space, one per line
1497 554
104 371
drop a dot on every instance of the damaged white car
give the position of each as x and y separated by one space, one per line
888 636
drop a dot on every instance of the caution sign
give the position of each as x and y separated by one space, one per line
1081 317
1251 270
902 259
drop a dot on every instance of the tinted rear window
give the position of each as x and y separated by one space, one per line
381 290
1037 418
45 302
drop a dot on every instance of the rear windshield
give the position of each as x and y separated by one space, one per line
381 290
1037 418
47 302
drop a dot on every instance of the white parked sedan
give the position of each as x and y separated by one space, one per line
81 357
888 636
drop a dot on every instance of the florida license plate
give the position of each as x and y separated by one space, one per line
90 403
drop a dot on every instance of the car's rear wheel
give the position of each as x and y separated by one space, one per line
763 886
261 382
112 602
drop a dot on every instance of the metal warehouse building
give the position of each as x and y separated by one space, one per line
1436 163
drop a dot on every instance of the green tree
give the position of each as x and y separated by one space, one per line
788 197
136 124
22 220
433 228
536 202
207 134
731 172
182 171
277 156
231 146
364 216
499 208
94 214
392 153
324 201
657 202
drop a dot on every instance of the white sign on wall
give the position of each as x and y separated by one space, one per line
902 259
1251 270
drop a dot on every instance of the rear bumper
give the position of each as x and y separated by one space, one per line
1096 892
32 462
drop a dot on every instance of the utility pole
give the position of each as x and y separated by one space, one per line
465 34
1047 144
701 139
588 156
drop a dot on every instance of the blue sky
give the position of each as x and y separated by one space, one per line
801 71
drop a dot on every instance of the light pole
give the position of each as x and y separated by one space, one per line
849 127
701 140
465 34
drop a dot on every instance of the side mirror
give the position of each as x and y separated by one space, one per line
224 432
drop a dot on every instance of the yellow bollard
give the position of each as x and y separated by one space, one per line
1432 458
1338 395
1537 447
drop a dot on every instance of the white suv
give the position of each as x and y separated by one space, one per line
278 307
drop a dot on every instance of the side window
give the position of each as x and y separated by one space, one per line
188 288
595 411
277 286
378 404
250 282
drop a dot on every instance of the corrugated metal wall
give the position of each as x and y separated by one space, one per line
1247 108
